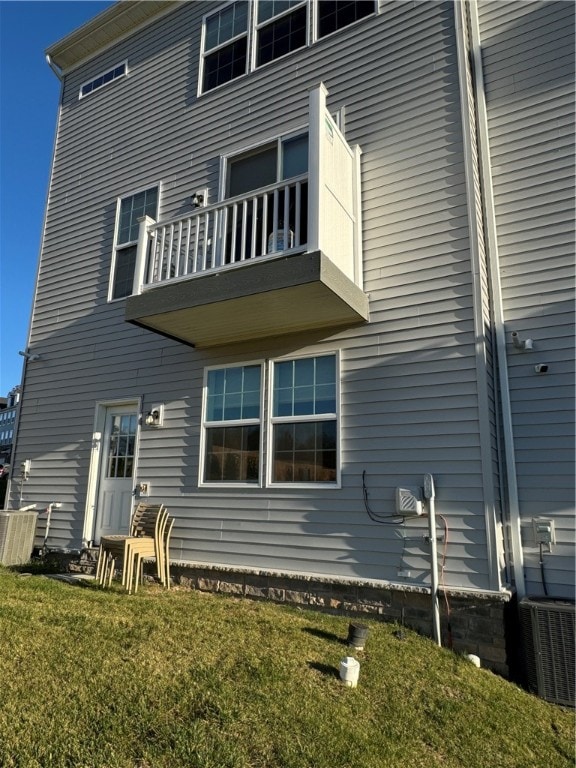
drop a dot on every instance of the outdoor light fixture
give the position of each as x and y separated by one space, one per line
29 357
200 198
155 416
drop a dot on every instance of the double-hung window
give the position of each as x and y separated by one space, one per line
130 209
243 35
225 46
280 29
300 428
304 421
232 412
337 14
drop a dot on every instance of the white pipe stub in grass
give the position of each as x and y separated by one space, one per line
474 659
349 671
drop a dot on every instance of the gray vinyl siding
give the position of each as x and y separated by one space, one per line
528 60
409 378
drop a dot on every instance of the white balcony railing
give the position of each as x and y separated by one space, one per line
266 222
319 210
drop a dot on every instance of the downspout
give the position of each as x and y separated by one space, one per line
31 316
54 68
485 170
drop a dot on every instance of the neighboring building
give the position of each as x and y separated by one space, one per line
8 414
297 256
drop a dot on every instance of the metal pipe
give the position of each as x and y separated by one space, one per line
429 494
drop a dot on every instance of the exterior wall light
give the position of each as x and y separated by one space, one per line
155 416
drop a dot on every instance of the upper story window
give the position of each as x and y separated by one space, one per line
336 14
285 158
243 36
130 209
281 28
106 77
225 45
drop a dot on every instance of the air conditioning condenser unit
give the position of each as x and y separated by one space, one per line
17 531
548 626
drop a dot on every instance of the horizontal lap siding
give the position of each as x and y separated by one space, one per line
408 391
528 57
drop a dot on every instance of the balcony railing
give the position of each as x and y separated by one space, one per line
316 211
264 223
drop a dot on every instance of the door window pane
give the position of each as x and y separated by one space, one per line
252 171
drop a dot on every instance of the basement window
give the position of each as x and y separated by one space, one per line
103 79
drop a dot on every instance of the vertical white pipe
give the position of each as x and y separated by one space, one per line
434 569
514 518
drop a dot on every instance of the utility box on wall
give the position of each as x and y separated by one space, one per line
17 531
548 634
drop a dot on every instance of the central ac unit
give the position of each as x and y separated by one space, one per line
548 630
17 531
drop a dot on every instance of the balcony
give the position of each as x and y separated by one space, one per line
284 258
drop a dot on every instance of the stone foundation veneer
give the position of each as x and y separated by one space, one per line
478 621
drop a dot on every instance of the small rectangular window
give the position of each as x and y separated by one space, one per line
131 208
336 14
232 407
106 77
225 45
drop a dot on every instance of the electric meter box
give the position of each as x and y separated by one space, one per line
408 503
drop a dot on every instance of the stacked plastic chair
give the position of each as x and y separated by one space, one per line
146 530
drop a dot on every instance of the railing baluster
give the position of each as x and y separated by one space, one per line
178 251
275 222
254 227
206 240
264 222
161 257
297 219
185 270
287 243
243 241
233 233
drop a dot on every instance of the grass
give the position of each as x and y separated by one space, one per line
182 679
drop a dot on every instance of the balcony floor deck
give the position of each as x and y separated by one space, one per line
261 298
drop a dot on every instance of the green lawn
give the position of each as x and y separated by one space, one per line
100 679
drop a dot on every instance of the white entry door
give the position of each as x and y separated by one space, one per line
117 469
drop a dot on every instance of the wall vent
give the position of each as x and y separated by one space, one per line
17 530
548 631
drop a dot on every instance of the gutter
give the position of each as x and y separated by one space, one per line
485 170
54 68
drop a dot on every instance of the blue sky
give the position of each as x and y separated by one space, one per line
29 93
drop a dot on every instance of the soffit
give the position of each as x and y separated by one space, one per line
109 26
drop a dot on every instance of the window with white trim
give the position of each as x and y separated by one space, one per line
225 45
106 77
282 27
304 421
242 36
232 433
337 14
130 209
301 428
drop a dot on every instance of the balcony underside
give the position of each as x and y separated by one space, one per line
262 298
